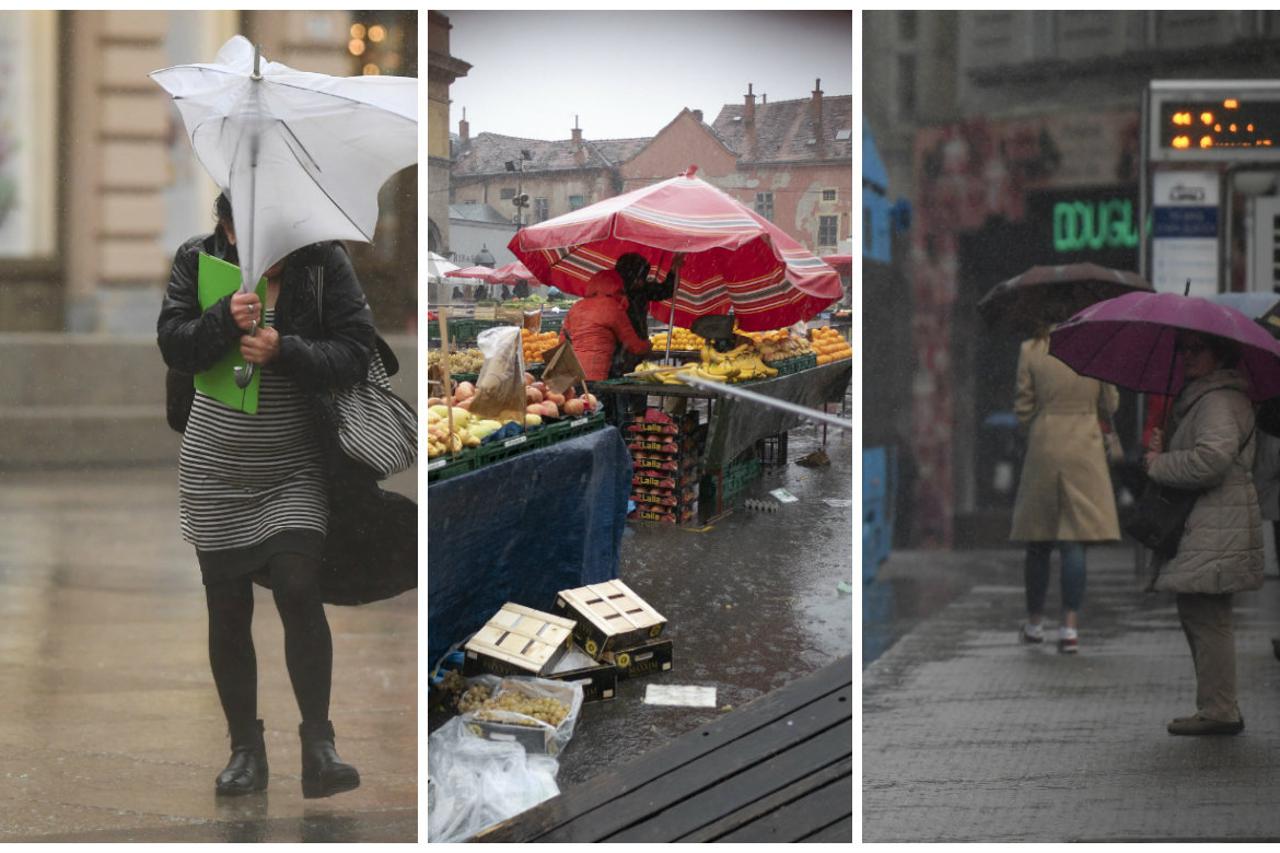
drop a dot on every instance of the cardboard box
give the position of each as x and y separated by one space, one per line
518 640
609 616
535 739
599 680
651 658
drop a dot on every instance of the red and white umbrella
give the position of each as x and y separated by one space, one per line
734 258
841 263
481 273
511 273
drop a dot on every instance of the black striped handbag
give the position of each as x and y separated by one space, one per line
374 426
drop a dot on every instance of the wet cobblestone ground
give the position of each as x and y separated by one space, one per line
752 604
110 728
969 736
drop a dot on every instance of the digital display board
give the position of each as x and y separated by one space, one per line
1225 123
1221 120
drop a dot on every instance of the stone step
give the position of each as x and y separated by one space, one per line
85 436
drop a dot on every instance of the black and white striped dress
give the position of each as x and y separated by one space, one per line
252 486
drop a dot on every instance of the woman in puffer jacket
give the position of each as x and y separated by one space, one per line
1212 450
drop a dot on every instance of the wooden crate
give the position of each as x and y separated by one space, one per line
518 641
609 616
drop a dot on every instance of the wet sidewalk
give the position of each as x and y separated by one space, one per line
110 727
970 736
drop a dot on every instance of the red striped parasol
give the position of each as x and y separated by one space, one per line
734 258
511 273
482 273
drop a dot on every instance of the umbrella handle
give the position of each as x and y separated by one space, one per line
244 373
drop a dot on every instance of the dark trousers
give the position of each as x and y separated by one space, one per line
1036 575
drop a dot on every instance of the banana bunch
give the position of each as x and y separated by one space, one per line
740 364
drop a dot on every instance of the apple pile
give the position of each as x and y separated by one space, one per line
547 404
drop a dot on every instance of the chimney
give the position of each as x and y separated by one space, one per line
697 115
764 99
577 133
815 110
749 108
579 150
464 129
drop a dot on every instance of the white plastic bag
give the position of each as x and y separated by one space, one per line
473 783
503 723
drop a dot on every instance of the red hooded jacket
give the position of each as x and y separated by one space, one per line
598 322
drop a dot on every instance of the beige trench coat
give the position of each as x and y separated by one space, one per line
1065 491
1212 448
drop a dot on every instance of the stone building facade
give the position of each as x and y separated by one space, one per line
126 185
442 69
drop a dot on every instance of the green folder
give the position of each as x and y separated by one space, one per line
216 279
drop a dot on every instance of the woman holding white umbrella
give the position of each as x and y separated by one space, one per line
253 488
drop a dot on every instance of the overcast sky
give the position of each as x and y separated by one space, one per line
627 74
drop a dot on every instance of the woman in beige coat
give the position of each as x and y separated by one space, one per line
1064 495
1220 553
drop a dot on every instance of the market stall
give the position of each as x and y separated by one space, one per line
521 529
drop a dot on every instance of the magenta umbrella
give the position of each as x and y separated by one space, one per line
1129 341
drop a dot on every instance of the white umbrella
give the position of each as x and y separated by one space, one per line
301 156
437 266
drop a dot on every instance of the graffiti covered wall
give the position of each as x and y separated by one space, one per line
967 174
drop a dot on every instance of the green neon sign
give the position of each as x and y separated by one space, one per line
1104 224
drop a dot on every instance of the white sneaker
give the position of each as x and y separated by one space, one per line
1031 633
1068 640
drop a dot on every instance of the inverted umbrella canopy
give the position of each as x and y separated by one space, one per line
438 266
301 156
1129 341
1052 294
735 259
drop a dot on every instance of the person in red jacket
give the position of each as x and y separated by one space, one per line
598 323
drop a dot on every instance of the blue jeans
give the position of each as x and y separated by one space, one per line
1037 575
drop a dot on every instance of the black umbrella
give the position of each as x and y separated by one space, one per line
1042 295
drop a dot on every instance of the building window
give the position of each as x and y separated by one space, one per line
907 84
576 201
540 210
764 205
508 193
828 228
828 195
908 25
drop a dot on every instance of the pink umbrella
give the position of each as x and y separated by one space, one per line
1129 341
482 273
840 263
511 273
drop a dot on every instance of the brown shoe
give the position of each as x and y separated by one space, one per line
1198 725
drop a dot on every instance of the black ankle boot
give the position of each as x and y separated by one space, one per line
246 772
323 772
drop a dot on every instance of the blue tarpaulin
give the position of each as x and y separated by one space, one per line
523 529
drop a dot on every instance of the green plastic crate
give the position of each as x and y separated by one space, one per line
460 463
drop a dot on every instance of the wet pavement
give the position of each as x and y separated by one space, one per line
970 736
752 604
110 728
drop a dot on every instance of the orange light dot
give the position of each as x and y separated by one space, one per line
1182 118
356 46
1249 128
1206 142
1207 118
357 31
377 32
1231 103
1233 127
1182 142
1218 128
372 70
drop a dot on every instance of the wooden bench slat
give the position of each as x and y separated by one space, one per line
794 769
801 818
839 832
730 822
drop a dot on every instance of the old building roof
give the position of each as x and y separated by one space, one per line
488 153
783 130
478 213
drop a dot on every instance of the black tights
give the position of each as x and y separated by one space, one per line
308 646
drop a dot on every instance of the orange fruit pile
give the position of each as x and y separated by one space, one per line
830 345
536 343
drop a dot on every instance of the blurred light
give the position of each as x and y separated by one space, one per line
1206 142
392 60
1182 142
1182 118
1217 128
357 31
1207 118
1233 127
1249 128
1231 103
356 46
371 69
377 32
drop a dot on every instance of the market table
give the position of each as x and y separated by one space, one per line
523 529
736 425
778 769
